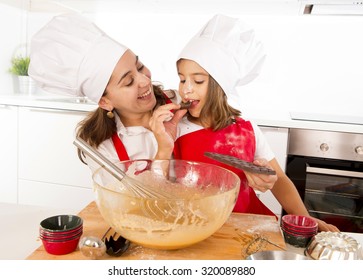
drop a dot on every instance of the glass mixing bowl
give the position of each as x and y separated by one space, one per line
194 200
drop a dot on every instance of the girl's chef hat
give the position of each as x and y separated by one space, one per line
71 55
227 49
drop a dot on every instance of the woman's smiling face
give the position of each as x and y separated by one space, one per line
193 85
130 90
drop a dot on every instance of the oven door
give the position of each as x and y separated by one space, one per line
332 190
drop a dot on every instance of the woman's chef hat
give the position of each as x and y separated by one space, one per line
71 55
227 49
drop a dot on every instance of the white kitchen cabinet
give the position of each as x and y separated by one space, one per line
278 139
49 168
186 6
9 153
50 195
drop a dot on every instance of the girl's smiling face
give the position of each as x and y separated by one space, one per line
193 85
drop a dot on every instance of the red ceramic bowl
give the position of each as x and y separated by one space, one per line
60 234
61 223
299 223
60 238
296 233
61 247
299 229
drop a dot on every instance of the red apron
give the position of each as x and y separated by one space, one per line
237 140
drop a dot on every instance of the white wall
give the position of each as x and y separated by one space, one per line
13 38
314 63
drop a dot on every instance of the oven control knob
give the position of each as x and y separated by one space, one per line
324 147
359 150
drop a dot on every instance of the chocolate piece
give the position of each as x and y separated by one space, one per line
185 105
240 164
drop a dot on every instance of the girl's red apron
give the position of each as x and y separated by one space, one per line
237 140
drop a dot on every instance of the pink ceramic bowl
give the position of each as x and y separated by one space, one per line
299 223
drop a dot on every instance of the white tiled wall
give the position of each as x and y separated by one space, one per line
314 63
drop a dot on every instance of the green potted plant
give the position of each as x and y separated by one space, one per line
22 82
20 65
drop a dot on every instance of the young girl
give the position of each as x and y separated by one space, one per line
223 55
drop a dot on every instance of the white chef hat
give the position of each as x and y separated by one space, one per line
227 49
70 55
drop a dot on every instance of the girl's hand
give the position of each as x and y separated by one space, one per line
261 182
163 124
323 226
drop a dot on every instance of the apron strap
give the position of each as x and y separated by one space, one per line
120 148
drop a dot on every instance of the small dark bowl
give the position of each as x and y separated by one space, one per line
61 223
299 241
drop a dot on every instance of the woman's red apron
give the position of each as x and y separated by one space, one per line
236 140
120 148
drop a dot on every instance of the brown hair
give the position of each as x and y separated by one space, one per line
216 113
97 127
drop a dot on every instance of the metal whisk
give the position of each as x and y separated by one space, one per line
138 188
253 243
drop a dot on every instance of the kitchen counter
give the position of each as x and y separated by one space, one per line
274 118
20 228
229 242
48 101
284 120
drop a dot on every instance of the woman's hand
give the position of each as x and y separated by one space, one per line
163 124
261 182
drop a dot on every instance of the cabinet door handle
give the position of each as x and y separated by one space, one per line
327 171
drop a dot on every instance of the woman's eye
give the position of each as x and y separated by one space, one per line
182 81
199 82
129 82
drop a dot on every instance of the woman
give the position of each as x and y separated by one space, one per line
212 125
71 55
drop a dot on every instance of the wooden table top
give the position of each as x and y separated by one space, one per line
230 242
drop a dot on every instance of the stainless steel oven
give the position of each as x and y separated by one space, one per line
327 169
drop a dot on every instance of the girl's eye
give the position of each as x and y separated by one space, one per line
140 68
182 81
199 82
